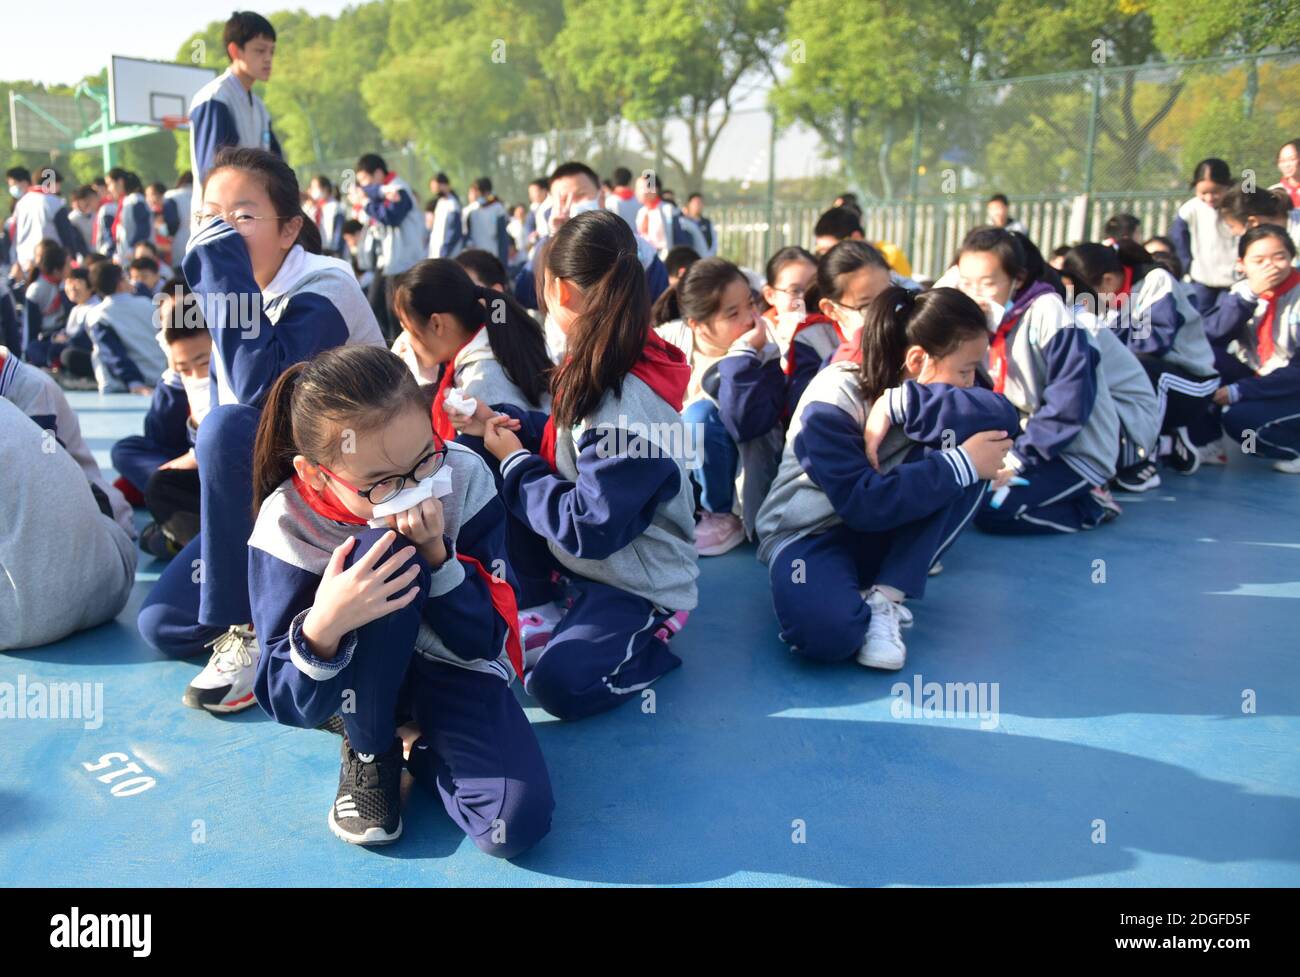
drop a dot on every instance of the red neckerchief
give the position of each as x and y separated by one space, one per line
392 175
624 193
850 350
1292 188
1127 287
662 367
998 353
1264 334
35 188
504 603
117 219
326 503
441 422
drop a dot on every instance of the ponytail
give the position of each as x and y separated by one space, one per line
274 448
597 252
665 308
938 321
441 285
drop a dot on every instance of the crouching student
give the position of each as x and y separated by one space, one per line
406 617
126 354
44 311
1153 318
1065 448
612 500
270 299
481 343
1259 321
160 465
734 400
885 463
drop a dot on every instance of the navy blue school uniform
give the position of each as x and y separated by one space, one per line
224 113
833 526
167 434
734 406
444 658
44 314
1263 368
132 225
312 304
615 505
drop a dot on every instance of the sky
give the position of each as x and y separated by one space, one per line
85 36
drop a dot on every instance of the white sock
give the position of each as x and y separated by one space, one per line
891 593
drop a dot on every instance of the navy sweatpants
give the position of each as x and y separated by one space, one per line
603 652
1276 423
192 603
137 457
817 581
716 475
476 747
1057 500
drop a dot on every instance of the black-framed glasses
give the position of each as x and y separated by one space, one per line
384 490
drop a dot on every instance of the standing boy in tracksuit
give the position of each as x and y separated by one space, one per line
39 213
225 112
446 235
399 225
485 221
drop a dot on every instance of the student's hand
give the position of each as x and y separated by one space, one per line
186 462
347 599
423 525
986 450
1003 476
499 438
475 424
757 337
1221 397
561 212
878 424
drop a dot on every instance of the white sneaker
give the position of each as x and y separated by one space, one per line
1214 453
883 646
226 682
1290 466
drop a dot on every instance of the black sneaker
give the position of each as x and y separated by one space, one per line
368 807
1184 458
1142 477
155 541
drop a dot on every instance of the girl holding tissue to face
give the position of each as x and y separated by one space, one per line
734 400
374 570
884 464
1066 444
602 480
270 300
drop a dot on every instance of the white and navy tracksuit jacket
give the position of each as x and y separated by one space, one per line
178 208
328 217
104 217
1264 387
398 223
447 236
39 215
132 224
39 397
1206 248
1130 388
224 113
698 232
624 203
485 227
44 313
126 350
805 348
833 525
312 304
740 396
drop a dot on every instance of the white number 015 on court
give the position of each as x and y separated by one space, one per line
118 765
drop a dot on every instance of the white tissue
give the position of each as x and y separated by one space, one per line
455 400
439 484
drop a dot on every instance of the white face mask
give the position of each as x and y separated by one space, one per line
199 392
582 206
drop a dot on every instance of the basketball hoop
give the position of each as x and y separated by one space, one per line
174 121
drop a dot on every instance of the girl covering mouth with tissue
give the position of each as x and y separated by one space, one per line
360 620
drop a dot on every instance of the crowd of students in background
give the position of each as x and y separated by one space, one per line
397 456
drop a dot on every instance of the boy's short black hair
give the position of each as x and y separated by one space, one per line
186 319
622 176
575 168
84 191
679 259
351 226
839 223
371 162
153 248
20 174
999 198
1121 226
483 184
442 178
542 183
243 26
80 274
105 278
144 264
158 188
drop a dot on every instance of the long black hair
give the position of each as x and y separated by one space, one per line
597 251
443 286
938 321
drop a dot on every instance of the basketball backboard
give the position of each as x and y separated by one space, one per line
148 93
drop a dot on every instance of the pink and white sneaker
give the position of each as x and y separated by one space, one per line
671 626
537 624
717 533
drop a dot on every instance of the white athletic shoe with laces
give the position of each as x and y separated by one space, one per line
1290 466
226 682
883 646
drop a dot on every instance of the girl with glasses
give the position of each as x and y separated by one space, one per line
375 625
